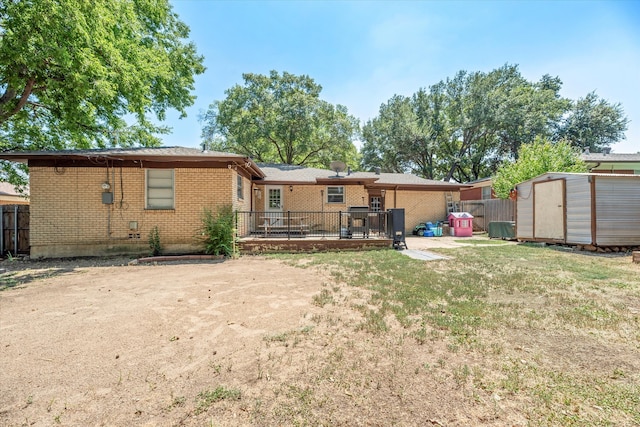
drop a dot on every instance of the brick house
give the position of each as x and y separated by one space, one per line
299 188
481 189
102 202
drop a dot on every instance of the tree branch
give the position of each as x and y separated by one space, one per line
21 102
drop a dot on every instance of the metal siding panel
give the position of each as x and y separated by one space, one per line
617 211
578 209
524 211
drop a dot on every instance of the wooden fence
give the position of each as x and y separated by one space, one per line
14 229
486 211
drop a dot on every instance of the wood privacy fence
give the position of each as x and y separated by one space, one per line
14 229
486 211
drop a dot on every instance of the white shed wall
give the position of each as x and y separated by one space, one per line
578 204
524 211
618 210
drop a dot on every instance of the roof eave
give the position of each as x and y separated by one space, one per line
245 162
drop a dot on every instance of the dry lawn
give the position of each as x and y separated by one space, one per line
299 340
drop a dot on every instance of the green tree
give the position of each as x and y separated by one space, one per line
405 135
491 115
386 136
592 123
534 159
457 129
82 74
280 118
464 127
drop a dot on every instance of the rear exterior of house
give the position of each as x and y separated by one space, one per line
295 188
98 203
580 209
106 202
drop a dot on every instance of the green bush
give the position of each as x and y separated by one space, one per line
217 231
154 242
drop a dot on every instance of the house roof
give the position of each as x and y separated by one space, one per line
291 174
266 173
7 189
612 162
611 157
9 195
154 154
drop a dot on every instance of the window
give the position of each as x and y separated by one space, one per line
335 194
376 204
275 198
486 192
239 188
160 190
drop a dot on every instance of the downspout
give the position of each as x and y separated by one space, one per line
253 186
108 206
1 230
395 197
15 230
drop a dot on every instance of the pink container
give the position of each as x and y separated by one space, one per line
461 224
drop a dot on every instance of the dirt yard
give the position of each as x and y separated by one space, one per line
240 342
136 344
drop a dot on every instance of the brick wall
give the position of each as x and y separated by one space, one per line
421 206
68 217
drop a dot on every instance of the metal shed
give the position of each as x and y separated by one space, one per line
581 209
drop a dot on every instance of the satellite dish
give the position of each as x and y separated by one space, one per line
337 167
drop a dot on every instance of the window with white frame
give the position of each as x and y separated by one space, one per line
239 187
275 198
160 189
335 194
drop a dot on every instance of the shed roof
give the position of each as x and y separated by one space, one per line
549 175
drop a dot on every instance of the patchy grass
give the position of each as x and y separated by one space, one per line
473 241
522 335
206 398
8 280
491 304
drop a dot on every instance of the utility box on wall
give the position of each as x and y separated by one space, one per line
107 198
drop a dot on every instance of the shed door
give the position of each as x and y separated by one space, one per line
548 211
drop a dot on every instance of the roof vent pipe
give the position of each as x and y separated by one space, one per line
378 171
348 170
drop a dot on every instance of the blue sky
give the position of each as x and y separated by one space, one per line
362 53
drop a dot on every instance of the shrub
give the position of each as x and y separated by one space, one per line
217 231
155 248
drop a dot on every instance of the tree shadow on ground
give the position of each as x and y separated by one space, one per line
12 279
